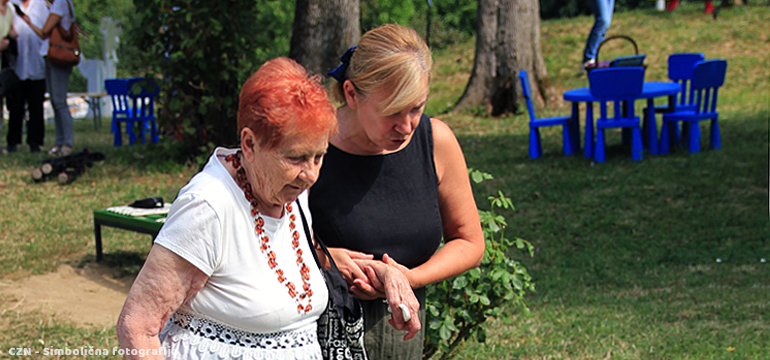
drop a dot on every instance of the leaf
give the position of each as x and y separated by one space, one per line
460 282
477 177
517 282
484 300
492 225
445 333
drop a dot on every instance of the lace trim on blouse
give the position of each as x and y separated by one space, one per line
227 342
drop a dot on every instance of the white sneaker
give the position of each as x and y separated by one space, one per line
587 64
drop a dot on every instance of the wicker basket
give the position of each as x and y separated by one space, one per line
603 64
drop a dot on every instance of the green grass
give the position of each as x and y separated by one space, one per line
626 266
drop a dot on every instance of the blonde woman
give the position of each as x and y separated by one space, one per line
394 183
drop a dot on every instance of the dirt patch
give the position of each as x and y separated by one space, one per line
88 296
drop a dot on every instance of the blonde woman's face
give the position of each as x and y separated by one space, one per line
391 131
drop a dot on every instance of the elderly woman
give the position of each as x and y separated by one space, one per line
226 276
394 182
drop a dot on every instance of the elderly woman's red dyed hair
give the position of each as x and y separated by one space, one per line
281 99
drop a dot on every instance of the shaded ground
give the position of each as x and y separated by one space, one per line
88 296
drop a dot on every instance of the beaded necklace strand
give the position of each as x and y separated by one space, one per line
304 270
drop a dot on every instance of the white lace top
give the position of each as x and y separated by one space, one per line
242 311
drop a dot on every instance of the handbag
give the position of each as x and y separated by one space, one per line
341 326
63 46
8 81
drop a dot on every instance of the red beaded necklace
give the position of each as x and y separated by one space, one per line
304 270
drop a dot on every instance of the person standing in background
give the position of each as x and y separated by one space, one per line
62 12
602 10
6 34
30 67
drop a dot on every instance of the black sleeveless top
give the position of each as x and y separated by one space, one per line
380 204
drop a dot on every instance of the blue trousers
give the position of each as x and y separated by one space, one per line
57 80
603 16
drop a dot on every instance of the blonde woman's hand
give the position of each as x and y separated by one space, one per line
346 263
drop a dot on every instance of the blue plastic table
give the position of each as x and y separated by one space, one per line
650 91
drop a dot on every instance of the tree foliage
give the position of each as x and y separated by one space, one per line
458 308
89 14
201 51
451 21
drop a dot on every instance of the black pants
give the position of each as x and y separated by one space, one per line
32 94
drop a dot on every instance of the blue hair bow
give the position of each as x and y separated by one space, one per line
339 72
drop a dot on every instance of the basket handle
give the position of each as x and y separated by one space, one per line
613 37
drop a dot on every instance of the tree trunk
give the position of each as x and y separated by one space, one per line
322 31
507 41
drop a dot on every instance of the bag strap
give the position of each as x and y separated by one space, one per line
69 7
339 295
68 34
318 240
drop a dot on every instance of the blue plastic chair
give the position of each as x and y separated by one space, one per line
535 146
708 77
680 67
141 95
620 86
117 89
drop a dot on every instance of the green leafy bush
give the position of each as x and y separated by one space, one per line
458 308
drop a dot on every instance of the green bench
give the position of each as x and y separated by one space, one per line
148 224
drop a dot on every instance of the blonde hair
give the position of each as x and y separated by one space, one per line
391 59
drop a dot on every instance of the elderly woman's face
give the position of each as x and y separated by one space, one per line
389 132
289 169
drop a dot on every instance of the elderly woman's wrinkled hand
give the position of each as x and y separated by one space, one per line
394 285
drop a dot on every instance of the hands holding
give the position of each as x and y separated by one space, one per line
370 279
389 280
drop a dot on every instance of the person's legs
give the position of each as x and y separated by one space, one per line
49 87
36 124
57 79
16 100
602 10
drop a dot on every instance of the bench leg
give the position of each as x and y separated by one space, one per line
98 235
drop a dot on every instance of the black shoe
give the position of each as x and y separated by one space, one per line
34 148
9 149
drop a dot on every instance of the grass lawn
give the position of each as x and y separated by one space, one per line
666 258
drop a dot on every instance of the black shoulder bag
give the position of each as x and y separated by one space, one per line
341 326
